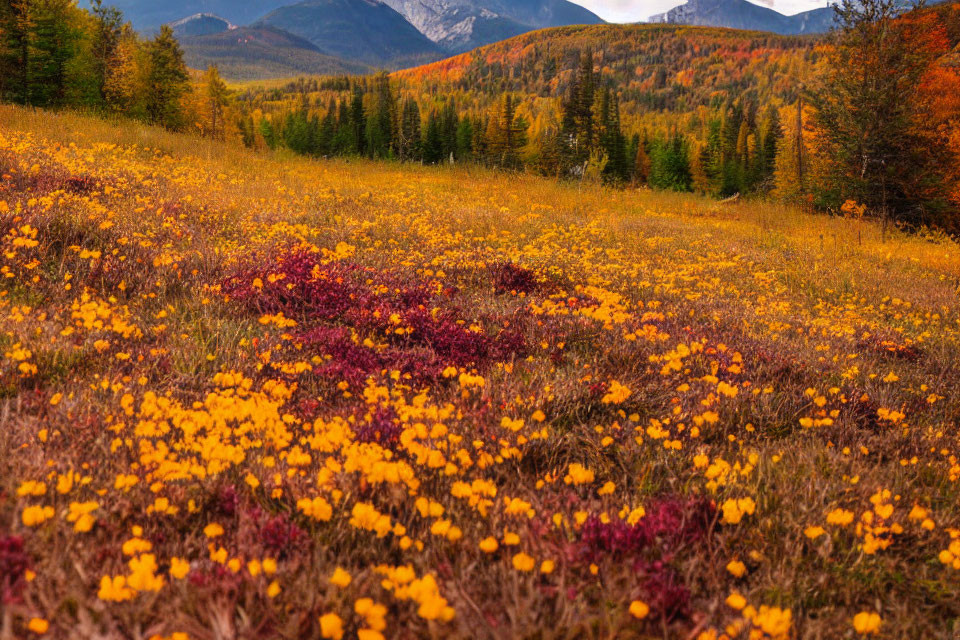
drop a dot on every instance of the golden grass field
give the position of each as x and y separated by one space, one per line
254 396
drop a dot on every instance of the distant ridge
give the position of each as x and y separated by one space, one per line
148 15
365 31
201 24
257 53
461 25
740 14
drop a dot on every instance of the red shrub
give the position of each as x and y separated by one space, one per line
14 563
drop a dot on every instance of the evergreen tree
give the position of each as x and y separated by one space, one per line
731 174
611 139
297 132
357 124
215 92
56 34
507 135
464 150
380 122
433 152
408 139
479 146
167 81
107 32
771 135
328 131
670 164
448 129
268 133
16 26
711 159
577 112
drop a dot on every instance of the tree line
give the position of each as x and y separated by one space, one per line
54 55
583 139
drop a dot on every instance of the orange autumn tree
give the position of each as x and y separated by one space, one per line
941 89
883 131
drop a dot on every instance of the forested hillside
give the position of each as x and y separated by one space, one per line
673 85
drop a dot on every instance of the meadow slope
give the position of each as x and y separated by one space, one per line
247 396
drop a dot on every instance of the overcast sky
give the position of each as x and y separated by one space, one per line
638 10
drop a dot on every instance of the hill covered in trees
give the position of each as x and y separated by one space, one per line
641 104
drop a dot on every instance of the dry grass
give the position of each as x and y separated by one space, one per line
452 344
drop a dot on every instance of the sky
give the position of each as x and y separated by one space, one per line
639 10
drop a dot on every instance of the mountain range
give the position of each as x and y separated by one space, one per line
365 31
389 34
258 53
740 14
461 25
333 36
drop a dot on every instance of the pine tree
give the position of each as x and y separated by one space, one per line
343 135
433 152
771 135
268 133
327 131
711 160
16 26
448 129
56 35
215 90
611 139
479 146
731 168
464 149
670 164
408 139
108 29
507 135
577 123
297 132
380 122
167 81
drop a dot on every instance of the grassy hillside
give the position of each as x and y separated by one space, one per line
252 396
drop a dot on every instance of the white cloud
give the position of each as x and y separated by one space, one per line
640 10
